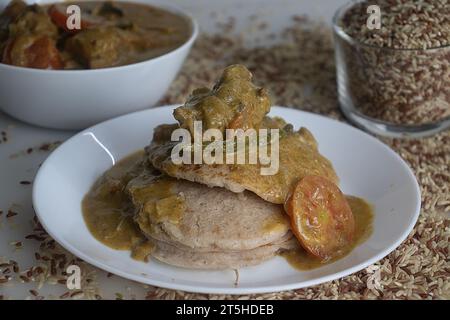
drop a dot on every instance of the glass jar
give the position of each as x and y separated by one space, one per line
392 92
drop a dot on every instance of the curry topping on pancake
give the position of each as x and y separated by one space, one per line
107 211
233 103
194 216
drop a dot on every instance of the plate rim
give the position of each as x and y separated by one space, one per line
227 290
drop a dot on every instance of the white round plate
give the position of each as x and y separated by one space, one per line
367 168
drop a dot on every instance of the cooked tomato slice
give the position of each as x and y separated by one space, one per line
321 217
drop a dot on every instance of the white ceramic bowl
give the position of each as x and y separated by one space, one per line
75 99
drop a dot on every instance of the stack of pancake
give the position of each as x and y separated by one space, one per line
222 215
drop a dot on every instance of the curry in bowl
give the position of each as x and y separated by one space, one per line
110 34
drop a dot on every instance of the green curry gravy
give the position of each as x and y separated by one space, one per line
109 215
